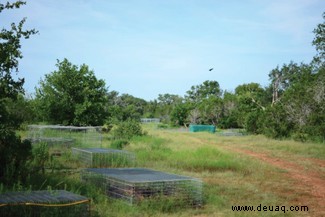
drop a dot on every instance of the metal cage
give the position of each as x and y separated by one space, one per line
103 157
44 203
134 185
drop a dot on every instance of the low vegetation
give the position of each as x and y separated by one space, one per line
229 178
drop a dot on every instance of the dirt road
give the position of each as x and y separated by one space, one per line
309 184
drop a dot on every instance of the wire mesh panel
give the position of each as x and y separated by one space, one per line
150 120
65 135
44 203
231 132
134 185
100 157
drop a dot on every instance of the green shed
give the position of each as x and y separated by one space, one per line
202 128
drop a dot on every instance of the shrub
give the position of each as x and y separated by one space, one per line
162 126
40 156
14 154
127 130
119 144
107 128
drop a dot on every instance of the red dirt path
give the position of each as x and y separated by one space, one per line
308 184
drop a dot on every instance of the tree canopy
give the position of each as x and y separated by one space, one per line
72 95
13 152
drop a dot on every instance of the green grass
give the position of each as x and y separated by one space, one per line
229 178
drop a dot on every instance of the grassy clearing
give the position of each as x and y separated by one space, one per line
229 178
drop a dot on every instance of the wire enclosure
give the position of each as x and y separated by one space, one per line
66 136
44 203
103 157
134 185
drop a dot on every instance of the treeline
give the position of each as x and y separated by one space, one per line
292 105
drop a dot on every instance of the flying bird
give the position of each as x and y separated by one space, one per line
210 69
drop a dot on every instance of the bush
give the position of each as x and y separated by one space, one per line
41 156
162 126
127 130
14 154
107 128
119 144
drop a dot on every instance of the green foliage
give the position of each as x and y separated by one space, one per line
40 156
13 156
205 103
127 130
107 128
203 91
162 126
119 144
10 45
253 122
229 118
275 122
319 43
72 96
164 105
179 114
124 107
13 152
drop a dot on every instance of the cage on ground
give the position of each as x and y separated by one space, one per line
135 185
66 136
103 157
44 203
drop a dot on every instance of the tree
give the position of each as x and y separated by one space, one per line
319 43
250 99
125 107
204 103
166 103
179 114
72 96
203 91
13 152
230 112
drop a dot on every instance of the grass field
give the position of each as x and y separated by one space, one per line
236 171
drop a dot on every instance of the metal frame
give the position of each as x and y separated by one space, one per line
134 185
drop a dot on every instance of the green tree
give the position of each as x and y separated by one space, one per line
205 104
72 95
179 114
319 43
13 151
230 112
275 123
166 103
125 107
250 100
203 91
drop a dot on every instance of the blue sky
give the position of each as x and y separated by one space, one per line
150 47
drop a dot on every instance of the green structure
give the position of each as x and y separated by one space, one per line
202 128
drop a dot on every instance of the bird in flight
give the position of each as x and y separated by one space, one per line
210 69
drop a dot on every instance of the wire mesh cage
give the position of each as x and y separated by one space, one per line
44 203
150 120
134 185
231 132
66 136
103 157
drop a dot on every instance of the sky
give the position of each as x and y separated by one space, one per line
149 47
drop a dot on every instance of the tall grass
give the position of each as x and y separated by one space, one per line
229 178
205 159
